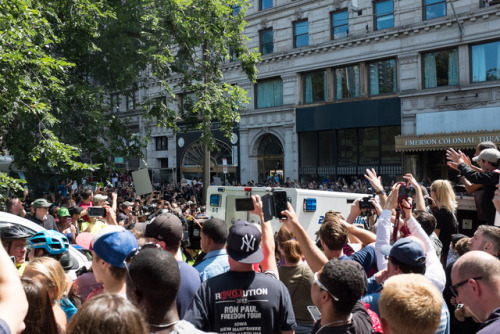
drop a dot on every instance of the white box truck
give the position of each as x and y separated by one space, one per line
310 205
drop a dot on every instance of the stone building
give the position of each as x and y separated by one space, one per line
346 85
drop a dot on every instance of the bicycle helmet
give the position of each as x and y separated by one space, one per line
11 233
53 242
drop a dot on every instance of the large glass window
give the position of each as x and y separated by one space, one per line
384 14
347 147
347 82
300 34
266 41
487 3
434 8
269 93
382 77
326 148
308 142
441 68
161 143
368 146
114 101
265 4
340 24
314 84
486 62
388 154
131 100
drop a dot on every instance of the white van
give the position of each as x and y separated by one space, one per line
310 205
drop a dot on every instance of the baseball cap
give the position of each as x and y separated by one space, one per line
113 243
489 154
99 197
166 227
243 243
40 203
406 251
63 212
74 210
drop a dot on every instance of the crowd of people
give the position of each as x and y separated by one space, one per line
160 264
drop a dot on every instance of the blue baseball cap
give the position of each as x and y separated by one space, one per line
113 244
406 251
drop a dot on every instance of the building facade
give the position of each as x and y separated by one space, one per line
349 85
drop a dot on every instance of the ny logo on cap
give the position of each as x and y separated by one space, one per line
249 242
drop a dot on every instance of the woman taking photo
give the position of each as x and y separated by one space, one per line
444 208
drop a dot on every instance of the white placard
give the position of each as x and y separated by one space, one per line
142 182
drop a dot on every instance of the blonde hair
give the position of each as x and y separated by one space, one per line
445 194
410 296
52 273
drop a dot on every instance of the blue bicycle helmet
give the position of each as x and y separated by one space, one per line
53 242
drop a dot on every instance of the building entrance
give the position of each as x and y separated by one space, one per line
270 159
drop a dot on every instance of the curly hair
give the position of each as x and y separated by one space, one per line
346 280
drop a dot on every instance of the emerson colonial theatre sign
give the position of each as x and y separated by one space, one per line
443 141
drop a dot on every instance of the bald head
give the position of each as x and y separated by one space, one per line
477 264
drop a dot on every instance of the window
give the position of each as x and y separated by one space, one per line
347 82
440 68
236 10
265 4
340 24
269 93
114 101
131 100
161 143
308 142
368 146
188 102
384 14
300 34
388 154
347 147
326 150
382 77
314 86
434 8
266 41
163 162
486 62
487 3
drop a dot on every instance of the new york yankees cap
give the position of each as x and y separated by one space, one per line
243 243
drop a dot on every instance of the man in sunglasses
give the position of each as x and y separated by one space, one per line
476 284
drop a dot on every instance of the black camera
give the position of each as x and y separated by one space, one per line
366 204
404 192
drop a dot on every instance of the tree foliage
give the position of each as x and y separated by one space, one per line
60 59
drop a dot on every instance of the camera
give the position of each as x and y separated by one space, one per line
96 211
366 204
404 192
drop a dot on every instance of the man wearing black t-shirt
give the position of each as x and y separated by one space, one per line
336 291
242 300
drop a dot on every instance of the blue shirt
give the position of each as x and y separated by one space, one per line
215 263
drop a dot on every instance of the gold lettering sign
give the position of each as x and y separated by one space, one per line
444 141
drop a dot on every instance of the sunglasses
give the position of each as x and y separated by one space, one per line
316 280
453 288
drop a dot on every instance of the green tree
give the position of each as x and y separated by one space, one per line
58 61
